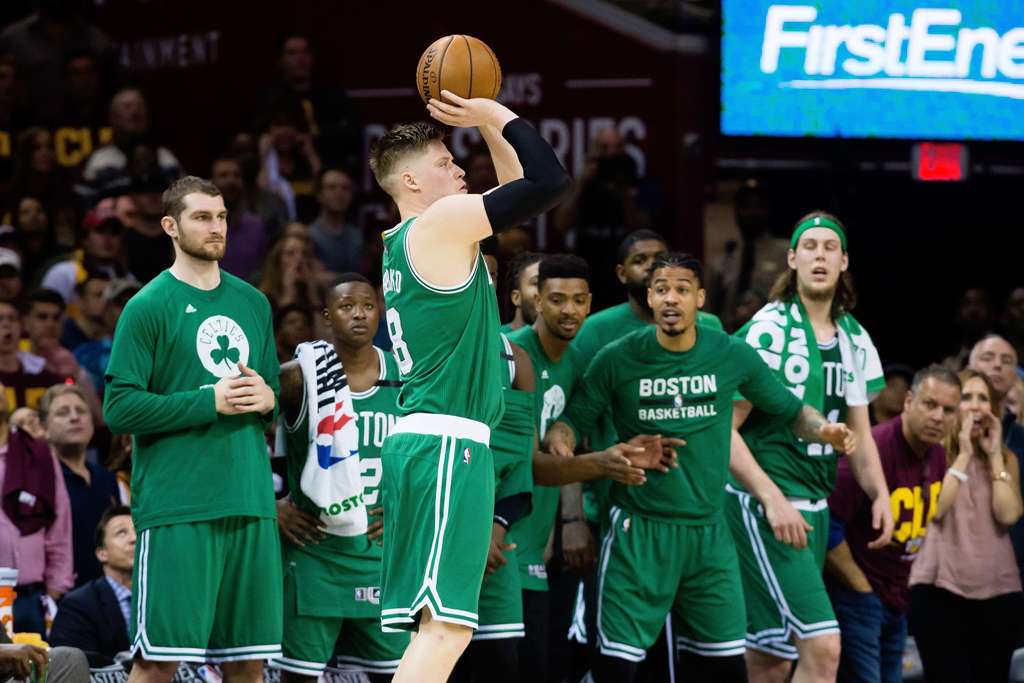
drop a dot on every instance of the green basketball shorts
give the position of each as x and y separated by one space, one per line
333 588
501 603
649 569
438 496
783 587
208 591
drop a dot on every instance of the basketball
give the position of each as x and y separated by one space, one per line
460 64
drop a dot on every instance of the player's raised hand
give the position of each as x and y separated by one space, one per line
250 393
459 112
617 466
839 436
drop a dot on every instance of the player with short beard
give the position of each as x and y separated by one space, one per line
193 376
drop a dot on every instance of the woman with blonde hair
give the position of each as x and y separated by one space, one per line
966 604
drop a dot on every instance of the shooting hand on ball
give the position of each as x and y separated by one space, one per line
462 113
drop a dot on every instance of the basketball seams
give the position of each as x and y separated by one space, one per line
469 55
440 66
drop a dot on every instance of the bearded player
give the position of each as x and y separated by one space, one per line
443 321
818 350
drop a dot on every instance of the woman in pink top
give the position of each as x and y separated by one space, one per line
966 605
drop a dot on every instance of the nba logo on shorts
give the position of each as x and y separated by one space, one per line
465 456
360 595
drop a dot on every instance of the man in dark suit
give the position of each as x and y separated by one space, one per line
94 617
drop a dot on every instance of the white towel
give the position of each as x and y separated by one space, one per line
331 476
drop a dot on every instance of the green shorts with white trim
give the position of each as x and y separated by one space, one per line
783 586
649 568
438 497
501 603
208 591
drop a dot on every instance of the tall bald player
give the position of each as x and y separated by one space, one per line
443 320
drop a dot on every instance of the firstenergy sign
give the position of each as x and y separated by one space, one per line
932 51
874 68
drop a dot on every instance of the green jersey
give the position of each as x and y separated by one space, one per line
512 439
376 412
801 469
688 395
556 383
443 337
173 343
605 327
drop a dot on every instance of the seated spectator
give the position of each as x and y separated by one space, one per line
972 320
27 420
891 399
10 275
43 321
120 463
248 236
100 252
94 355
147 249
94 618
289 274
35 237
23 375
62 664
86 320
868 584
259 200
996 359
36 174
966 604
293 324
289 160
65 415
35 523
330 116
82 123
337 242
108 170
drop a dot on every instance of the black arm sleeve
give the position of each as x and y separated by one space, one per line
543 185
507 511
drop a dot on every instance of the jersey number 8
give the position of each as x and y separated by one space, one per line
401 349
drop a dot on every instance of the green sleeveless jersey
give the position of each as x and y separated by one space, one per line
512 439
801 469
687 394
376 412
443 337
555 385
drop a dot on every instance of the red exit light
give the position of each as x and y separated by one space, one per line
945 161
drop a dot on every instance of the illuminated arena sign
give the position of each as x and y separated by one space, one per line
870 68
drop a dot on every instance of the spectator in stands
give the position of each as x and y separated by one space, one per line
289 274
248 234
891 399
329 115
293 324
65 415
12 114
10 275
41 43
997 359
95 617
23 375
147 249
290 162
747 304
868 585
100 253
35 523
261 201
522 287
336 241
35 235
82 122
1012 322
120 463
36 174
94 355
86 319
481 175
972 321
27 419
108 170
62 664
43 321
966 605
1014 397
755 261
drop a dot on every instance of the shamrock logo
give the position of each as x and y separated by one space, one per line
225 352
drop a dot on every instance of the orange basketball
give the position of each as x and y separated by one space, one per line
460 64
